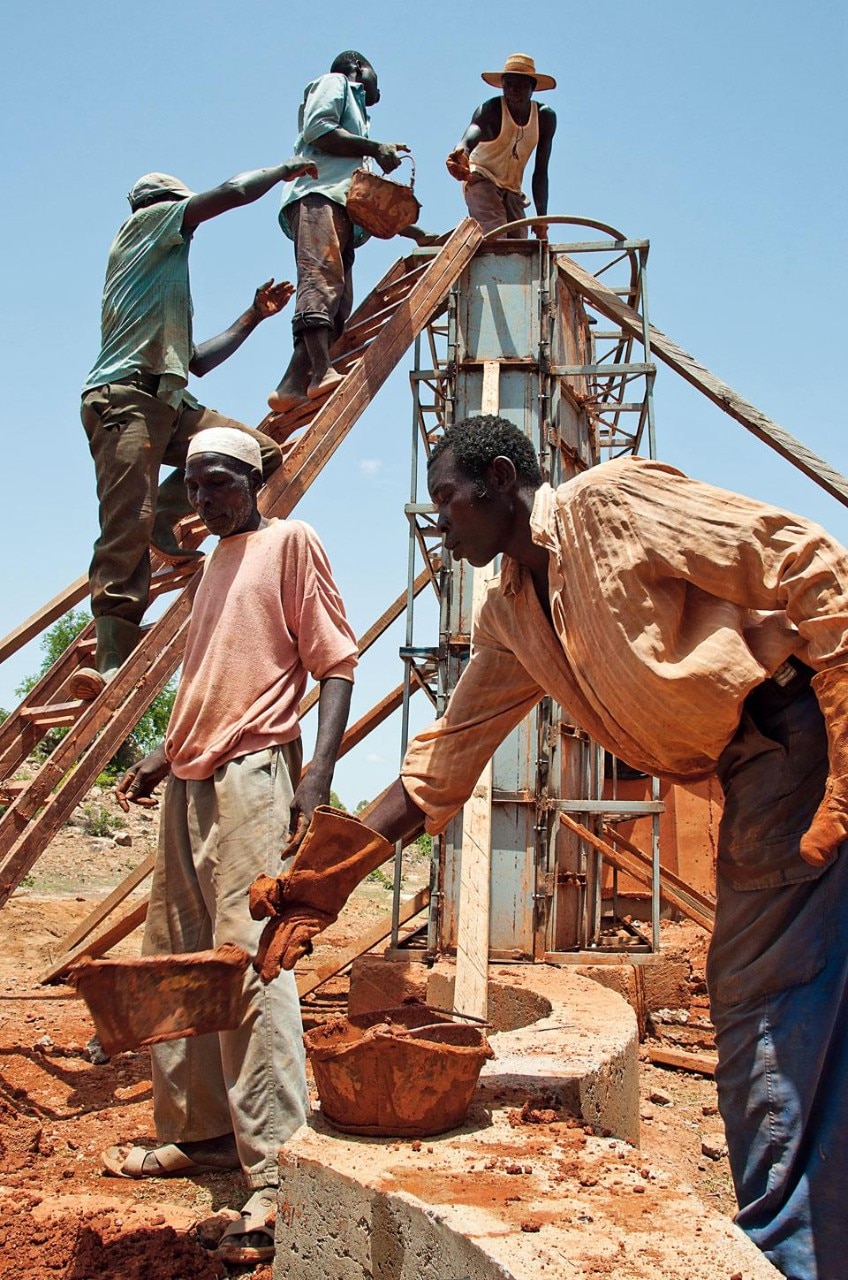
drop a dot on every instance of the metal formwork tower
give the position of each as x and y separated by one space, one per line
516 339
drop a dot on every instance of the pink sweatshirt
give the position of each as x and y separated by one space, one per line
267 613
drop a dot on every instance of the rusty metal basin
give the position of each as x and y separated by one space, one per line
155 998
408 1072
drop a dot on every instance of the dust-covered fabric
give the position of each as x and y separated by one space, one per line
329 102
267 614
323 249
671 600
146 316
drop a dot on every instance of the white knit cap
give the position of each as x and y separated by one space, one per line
229 441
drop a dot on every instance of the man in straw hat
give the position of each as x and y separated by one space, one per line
136 411
266 613
503 134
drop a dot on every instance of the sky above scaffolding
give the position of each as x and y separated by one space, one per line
716 131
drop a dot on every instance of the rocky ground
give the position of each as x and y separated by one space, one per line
61 1217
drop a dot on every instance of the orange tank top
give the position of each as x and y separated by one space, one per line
503 159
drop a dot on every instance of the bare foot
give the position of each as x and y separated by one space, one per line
326 386
282 401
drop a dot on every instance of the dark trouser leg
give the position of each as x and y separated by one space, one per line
172 505
128 435
778 979
492 206
323 240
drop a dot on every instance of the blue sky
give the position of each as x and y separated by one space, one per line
716 131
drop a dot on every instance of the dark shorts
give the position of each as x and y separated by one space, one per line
323 247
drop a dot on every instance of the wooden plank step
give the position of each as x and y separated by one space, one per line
58 713
704 1063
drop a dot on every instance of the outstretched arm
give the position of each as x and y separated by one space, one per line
547 129
244 188
479 130
267 301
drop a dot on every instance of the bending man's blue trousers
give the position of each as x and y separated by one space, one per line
778 980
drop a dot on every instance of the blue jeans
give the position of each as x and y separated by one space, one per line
778 979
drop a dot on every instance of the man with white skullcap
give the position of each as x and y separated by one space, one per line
267 612
136 411
503 134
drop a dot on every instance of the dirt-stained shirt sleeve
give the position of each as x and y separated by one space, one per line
493 695
670 600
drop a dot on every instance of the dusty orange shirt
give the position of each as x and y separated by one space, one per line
671 600
266 613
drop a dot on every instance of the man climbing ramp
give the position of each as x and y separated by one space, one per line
503 134
136 411
333 137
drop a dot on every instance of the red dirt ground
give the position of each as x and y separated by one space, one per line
60 1216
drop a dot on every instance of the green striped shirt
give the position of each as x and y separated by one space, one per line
147 312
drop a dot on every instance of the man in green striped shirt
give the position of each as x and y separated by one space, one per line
136 411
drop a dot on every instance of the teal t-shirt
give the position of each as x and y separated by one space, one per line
330 102
146 319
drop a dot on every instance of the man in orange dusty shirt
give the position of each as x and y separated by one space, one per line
690 631
267 613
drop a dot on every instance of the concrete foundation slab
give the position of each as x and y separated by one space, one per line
533 1184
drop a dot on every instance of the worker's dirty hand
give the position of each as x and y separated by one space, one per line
337 852
540 230
297 168
271 298
140 781
287 939
386 155
458 164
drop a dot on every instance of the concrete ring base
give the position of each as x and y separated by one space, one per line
503 1197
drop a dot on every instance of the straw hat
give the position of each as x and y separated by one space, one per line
519 64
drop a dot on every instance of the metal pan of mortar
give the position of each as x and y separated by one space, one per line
407 1072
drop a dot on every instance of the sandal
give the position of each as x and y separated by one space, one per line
128 1162
258 1216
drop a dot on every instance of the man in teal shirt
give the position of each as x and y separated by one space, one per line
136 411
333 127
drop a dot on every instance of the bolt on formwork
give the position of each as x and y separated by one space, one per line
515 339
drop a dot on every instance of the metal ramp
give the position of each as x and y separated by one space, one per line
379 333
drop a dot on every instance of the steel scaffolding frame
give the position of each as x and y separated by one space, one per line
602 388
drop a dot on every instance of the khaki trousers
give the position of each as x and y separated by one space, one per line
216 836
131 435
494 206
